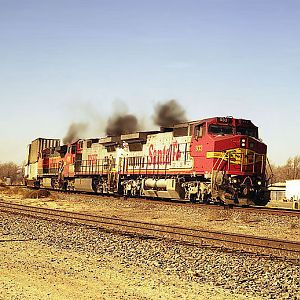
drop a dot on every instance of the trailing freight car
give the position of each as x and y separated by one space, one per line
34 155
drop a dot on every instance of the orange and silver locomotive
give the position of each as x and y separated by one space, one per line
218 159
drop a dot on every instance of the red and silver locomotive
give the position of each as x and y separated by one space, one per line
218 159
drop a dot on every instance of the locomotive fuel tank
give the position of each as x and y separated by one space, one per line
169 188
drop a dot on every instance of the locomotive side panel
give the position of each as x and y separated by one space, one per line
162 154
92 159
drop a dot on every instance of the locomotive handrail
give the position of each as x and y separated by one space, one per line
219 161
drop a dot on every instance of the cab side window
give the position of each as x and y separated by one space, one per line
73 151
199 131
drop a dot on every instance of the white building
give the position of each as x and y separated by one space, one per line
277 191
292 191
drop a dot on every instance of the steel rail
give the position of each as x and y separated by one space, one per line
254 208
275 210
204 237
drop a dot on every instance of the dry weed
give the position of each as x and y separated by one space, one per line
36 194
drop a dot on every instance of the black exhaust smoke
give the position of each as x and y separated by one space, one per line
76 131
168 114
122 124
165 115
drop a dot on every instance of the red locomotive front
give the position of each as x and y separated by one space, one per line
229 153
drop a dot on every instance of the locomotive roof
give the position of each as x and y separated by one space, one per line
223 120
216 119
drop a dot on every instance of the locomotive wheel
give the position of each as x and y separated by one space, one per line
193 198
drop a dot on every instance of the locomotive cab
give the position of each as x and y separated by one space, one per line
229 152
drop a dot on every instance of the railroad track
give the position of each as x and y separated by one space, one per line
203 237
260 209
275 211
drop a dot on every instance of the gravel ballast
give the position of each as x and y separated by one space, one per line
236 273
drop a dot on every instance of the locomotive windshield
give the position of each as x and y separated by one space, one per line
247 131
217 129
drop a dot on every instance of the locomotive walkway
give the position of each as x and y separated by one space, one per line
202 237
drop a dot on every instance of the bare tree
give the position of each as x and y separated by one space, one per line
11 170
291 170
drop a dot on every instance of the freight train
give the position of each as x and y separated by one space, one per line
219 159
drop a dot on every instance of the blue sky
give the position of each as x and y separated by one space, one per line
64 61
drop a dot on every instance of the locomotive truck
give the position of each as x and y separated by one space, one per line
219 159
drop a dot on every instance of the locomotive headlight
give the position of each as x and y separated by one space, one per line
243 142
259 182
